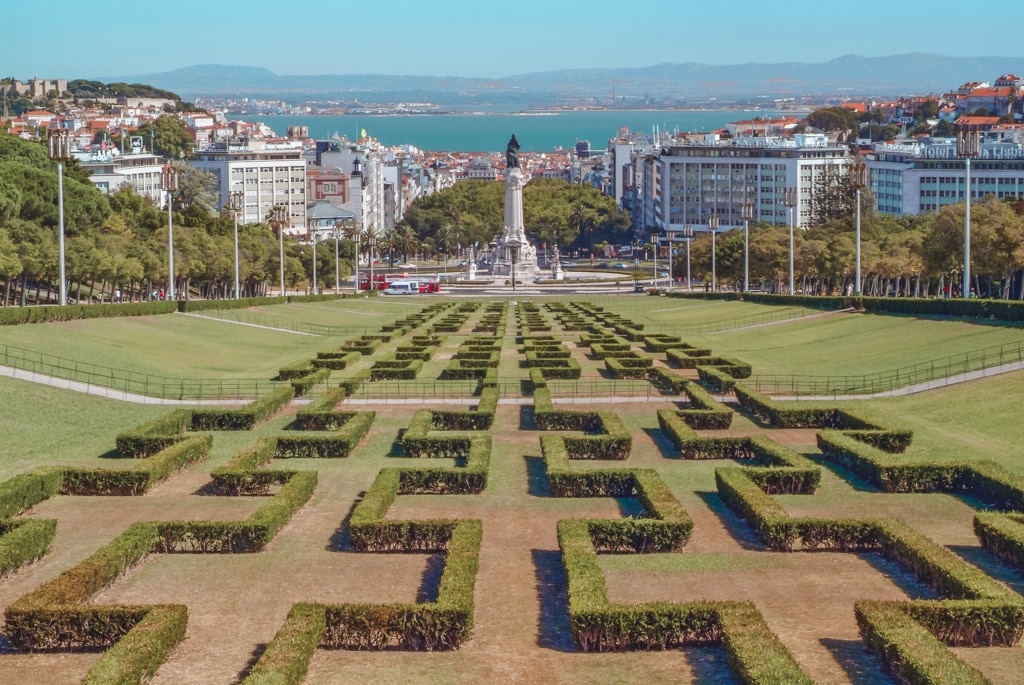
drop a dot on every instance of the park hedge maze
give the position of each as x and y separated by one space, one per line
912 637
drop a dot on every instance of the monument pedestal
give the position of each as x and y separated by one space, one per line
512 245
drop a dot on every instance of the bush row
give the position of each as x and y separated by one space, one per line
13 316
244 418
755 655
440 625
405 370
607 439
1002 535
250 535
985 481
784 415
351 428
139 478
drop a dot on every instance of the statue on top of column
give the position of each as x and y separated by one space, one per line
512 153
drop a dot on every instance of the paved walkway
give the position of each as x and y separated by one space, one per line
917 387
101 391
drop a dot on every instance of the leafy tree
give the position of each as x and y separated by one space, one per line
171 138
835 119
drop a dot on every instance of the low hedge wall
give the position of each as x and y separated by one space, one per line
1002 535
152 436
250 535
143 475
351 428
754 654
786 415
13 316
22 542
908 649
296 370
985 481
336 361
629 368
209 419
408 370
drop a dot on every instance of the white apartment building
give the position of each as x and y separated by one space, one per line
685 183
914 177
268 173
374 194
109 171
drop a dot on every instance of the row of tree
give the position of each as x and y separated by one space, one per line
913 256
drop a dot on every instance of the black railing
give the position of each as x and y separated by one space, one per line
937 372
44 367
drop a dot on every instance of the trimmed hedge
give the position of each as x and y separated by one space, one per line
985 481
241 419
754 653
350 428
1002 535
608 438
786 415
151 437
138 479
14 316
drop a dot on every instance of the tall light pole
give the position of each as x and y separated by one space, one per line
858 179
60 150
657 246
170 184
968 146
282 219
312 236
688 236
713 223
235 202
355 262
337 272
747 212
790 202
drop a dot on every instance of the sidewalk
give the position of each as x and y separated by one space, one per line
109 393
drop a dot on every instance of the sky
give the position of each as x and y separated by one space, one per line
480 38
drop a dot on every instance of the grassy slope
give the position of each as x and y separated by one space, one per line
47 426
172 345
855 344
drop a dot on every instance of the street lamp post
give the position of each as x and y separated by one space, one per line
513 247
688 237
235 203
714 221
315 282
60 150
355 262
281 217
747 212
337 272
858 179
657 246
170 184
790 202
968 146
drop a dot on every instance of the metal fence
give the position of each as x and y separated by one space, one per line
935 373
42 366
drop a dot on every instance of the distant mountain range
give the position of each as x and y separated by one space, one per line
914 73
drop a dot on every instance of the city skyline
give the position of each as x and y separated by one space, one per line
470 39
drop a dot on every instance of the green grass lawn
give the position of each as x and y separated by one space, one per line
171 345
658 312
854 344
44 426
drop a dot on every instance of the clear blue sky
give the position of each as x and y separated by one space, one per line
481 38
